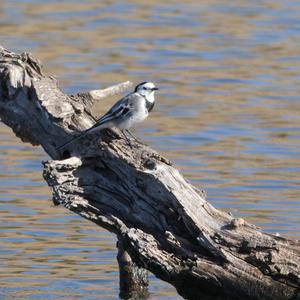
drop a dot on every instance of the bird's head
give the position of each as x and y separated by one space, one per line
147 90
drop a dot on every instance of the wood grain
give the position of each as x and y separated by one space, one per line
164 223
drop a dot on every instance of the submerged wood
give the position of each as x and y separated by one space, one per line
133 280
164 223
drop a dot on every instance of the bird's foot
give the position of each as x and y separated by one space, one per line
128 140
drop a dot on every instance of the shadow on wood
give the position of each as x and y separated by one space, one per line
164 223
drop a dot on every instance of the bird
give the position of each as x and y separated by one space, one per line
126 113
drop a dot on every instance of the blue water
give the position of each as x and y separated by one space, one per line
227 114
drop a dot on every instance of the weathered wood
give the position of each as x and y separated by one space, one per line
110 91
133 280
164 223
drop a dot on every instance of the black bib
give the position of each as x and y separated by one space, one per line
149 105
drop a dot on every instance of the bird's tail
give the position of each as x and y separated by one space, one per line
73 139
97 126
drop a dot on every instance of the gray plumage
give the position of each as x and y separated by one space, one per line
126 113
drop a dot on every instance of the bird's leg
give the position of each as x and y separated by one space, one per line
126 138
134 137
130 134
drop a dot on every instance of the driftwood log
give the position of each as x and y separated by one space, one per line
163 223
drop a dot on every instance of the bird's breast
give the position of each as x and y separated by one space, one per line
138 115
149 105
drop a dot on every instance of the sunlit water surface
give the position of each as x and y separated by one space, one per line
228 115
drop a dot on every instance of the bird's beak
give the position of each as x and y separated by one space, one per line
155 89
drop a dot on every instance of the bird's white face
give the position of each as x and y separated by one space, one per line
147 90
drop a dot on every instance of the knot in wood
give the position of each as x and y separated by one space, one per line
149 164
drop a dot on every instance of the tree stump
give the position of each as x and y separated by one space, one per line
164 224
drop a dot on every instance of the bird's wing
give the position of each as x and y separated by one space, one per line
115 112
120 109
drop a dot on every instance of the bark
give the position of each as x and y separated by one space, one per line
133 280
164 223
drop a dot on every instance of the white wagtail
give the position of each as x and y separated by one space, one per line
126 113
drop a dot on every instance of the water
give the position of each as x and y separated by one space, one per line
228 115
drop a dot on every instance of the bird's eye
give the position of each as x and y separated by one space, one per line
144 88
